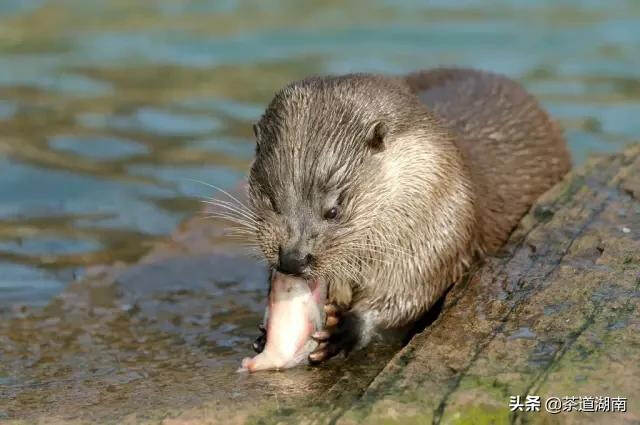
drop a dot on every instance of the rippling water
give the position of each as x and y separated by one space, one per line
110 109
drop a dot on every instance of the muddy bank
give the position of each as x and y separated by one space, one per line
555 314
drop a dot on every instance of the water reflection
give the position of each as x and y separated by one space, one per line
98 148
111 110
153 121
7 109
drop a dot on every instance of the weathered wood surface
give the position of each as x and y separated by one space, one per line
555 314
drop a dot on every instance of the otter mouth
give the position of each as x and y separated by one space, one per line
295 312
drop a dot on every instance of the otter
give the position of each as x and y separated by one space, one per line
387 188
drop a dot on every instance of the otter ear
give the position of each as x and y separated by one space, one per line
376 135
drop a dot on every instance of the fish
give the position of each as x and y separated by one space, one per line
295 311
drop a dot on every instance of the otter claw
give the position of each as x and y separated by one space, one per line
332 315
329 343
331 321
321 336
331 310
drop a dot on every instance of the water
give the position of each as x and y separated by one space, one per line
109 109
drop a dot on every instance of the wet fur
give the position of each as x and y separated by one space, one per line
462 155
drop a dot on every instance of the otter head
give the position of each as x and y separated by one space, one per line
328 173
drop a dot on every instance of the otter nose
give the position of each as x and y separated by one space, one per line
293 261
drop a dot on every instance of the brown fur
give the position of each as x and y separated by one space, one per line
514 150
461 156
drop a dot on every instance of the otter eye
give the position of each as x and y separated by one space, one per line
272 203
331 213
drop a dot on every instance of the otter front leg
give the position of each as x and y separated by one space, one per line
344 332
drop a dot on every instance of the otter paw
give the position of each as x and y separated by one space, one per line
324 351
330 339
259 343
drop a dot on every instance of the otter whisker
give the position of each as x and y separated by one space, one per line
242 230
233 219
229 204
358 258
349 267
354 261
381 241
383 249
370 258
229 215
375 247
347 271
338 265
245 237
384 238
230 207
234 204
236 200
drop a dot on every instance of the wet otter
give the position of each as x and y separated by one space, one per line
388 188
